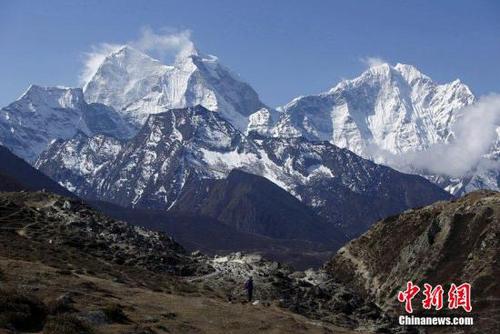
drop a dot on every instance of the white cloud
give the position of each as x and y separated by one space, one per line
372 61
93 59
166 42
161 44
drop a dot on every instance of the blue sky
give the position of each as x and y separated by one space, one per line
282 48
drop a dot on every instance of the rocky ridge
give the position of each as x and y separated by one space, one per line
444 243
186 146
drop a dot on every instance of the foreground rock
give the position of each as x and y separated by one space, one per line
66 224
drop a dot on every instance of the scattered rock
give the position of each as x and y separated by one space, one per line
94 317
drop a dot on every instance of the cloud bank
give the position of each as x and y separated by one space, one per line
166 43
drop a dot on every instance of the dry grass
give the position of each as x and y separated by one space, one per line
154 312
66 324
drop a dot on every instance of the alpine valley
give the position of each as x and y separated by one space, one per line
141 203
192 140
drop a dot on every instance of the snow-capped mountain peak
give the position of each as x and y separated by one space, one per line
137 85
387 108
43 114
410 73
53 97
386 73
40 115
124 76
384 114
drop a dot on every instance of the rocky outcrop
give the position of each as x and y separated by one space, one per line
310 293
444 243
65 223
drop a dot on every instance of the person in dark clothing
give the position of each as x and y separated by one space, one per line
249 288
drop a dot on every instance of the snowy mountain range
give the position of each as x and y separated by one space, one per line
133 135
383 115
43 114
395 109
187 146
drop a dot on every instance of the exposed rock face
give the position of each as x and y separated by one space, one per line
444 243
188 146
75 162
345 189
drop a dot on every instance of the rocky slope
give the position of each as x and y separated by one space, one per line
60 246
186 146
78 160
62 222
209 235
310 293
447 242
63 264
253 204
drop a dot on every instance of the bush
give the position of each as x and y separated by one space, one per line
59 305
21 311
66 324
114 313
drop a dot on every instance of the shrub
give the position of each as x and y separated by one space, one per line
66 324
114 313
21 311
59 305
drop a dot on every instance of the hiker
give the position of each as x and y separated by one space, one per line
249 288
